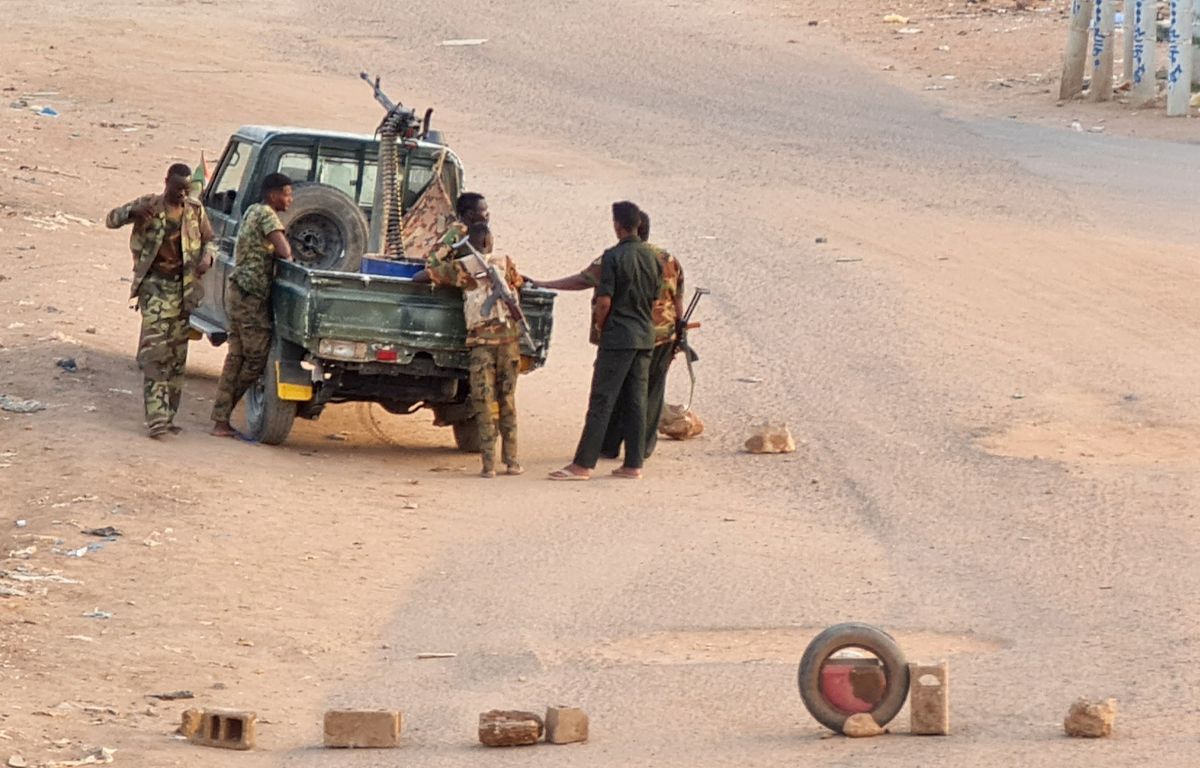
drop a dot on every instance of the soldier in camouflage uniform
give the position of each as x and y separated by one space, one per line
668 308
492 338
260 241
471 209
172 245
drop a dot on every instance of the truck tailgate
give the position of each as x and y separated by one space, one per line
389 313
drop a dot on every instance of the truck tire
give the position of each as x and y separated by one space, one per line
466 436
325 228
836 638
269 419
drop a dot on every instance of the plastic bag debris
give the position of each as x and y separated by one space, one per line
17 405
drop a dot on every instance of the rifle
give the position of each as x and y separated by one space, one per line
681 340
501 291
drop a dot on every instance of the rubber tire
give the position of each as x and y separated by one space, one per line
834 639
269 420
311 198
466 436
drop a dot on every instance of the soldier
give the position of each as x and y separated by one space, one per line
492 338
172 245
260 242
668 307
471 208
622 313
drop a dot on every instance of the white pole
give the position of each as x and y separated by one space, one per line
1076 57
1102 51
1129 26
1179 63
1145 34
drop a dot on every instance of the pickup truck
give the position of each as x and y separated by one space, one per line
340 335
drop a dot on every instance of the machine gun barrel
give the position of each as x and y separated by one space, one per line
380 96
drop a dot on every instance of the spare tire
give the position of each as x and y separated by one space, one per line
854 635
325 228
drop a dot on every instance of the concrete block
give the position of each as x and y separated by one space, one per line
190 722
566 725
226 729
350 729
501 728
929 699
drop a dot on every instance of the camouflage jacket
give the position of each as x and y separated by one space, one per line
254 253
445 252
664 305
196 242
488 322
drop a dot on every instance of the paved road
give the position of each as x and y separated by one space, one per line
674 610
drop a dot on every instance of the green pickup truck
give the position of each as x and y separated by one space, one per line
340 335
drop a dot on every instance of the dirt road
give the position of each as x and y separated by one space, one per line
988 364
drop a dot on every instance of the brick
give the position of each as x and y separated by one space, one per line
375 729
929 699
190 722
1091 720
226 729
500 728
566 725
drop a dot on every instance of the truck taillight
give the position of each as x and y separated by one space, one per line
342 350
385 355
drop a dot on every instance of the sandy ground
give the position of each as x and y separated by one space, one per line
987 365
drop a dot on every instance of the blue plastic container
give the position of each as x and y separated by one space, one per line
389 268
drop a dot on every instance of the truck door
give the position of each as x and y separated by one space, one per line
224 200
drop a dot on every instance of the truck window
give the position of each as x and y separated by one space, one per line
340 173
228 184
297 166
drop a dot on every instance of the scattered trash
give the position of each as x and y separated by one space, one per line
889 67
750 380
909 31
24 554
707 237
120 391
1077 126
1096 129
463 42
22 523
91 329
935 88
339 437
16 761
75 500
17 405
172 695
26 576
847 260
107 532
245 643
12 592
1018 395
430 655
943 48
96 613
87 550
895 18
153 540
81 638
68 364
862 726
48 112
822 240
101 756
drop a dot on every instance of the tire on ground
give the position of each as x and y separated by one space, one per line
836 638
268 419
466 436
325 228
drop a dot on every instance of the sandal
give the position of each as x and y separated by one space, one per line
515 469
566 474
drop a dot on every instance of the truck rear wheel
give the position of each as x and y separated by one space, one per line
268 418
325 228
466 436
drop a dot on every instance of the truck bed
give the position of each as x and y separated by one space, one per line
393 315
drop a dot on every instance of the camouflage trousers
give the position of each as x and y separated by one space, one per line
249 344
494 371
162 347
